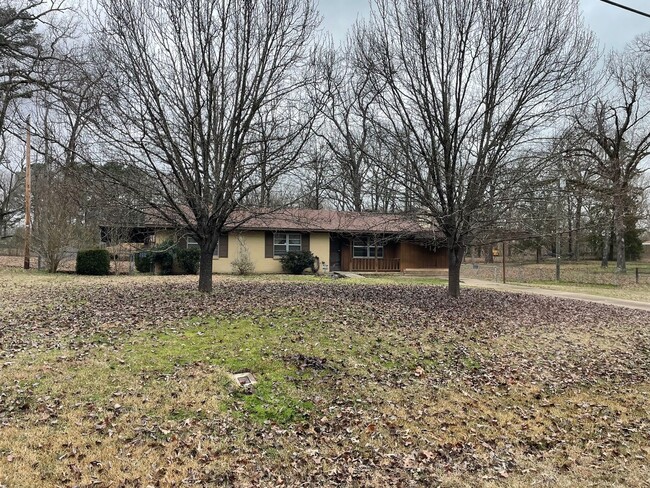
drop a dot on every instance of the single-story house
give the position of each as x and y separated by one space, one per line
342 241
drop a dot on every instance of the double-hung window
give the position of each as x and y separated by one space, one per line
364 247
284 242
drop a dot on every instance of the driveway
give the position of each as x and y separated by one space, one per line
617 302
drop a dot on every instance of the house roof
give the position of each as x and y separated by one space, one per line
293 219
328 221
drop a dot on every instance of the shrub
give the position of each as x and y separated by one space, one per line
163 255
243 264
93 262
295 262
188 260
143 262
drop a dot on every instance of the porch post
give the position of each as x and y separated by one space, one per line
351 254
376 258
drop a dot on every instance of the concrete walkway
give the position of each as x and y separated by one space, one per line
517 288
347 274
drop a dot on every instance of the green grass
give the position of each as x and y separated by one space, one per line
284 391
269 346
233 346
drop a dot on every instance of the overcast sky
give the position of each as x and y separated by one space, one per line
613 26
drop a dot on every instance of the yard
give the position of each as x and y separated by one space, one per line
125 381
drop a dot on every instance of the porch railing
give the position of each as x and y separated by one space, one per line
370 264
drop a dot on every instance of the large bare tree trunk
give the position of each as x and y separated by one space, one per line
455 255
205 271
620 251
604 262
489 257
619 232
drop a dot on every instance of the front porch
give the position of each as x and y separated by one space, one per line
370 254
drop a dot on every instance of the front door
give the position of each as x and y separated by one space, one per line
335 254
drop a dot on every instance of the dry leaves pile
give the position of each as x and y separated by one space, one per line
124 382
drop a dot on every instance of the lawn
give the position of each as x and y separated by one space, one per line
126 381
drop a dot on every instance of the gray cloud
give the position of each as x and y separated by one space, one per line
614 27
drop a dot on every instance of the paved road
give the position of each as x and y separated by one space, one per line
555 293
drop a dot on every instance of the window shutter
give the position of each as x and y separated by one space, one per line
223 245
305 242
268 244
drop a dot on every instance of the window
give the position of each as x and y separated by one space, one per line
285 242
190 243
364 247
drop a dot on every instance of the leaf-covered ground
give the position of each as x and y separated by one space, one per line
124 381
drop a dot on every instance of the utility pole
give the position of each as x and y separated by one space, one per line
558 240
28 193
503 260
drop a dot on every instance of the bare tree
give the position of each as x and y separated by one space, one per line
347 130
315 177
19 47
614 135
465 85
61 113
11 186
30 33
58 226
191 82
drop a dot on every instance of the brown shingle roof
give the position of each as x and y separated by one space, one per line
308 220
327 221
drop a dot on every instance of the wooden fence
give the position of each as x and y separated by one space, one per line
571 273
10 251
640 272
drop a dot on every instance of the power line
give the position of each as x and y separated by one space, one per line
625 7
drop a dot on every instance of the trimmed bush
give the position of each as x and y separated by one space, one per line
93 262
295 262
143 262
188 260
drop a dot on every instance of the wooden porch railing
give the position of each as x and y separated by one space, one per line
370 264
